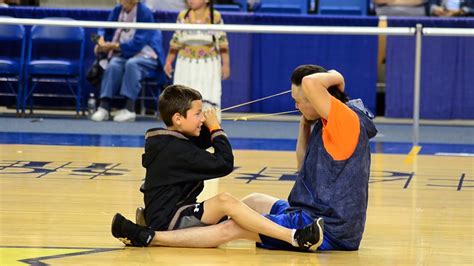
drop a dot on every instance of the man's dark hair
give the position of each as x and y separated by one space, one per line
176 99
305 70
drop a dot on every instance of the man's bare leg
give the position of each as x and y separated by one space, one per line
204 237
225 204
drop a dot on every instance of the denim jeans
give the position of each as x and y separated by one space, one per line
122 76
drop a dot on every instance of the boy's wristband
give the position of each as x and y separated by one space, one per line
214 128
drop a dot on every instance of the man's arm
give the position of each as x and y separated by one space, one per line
302 141
315 88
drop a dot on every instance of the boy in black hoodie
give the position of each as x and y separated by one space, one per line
177 164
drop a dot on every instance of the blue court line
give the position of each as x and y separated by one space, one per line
237 143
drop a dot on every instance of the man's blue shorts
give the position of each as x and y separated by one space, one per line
295 219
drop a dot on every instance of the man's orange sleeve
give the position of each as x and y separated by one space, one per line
340 131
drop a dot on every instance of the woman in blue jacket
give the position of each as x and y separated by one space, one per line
130 55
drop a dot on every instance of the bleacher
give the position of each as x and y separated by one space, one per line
261 63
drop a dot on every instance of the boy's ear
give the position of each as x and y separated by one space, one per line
177 119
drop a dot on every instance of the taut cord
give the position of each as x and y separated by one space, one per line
254 101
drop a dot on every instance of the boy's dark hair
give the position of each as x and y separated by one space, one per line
176 99
305 70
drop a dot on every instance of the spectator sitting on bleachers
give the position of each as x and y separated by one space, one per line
451 8
175 5
400 7
131 55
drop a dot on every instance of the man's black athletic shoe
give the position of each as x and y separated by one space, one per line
131 234
310 237
140 216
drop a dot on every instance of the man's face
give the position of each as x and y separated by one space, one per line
302 103
191 125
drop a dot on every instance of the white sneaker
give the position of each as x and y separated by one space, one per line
100 115
125 115
116 113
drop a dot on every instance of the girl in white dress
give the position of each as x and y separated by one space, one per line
203 56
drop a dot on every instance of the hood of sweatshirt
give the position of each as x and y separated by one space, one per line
368 124
156 140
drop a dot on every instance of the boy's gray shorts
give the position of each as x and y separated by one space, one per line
187 216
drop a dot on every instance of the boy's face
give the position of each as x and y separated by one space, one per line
303 104
191 124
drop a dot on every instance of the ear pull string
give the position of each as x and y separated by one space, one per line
254 101
245 118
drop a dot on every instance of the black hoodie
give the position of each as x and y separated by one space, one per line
176 167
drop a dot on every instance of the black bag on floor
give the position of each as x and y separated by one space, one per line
95 72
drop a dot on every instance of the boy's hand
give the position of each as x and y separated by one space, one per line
212 122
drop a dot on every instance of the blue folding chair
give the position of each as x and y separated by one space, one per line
12 54
283 6
55 54
227 8
240 5
153 83
343 7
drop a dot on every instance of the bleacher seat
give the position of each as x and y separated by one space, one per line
227 8
12 53
239 5
62 61
283 6
343 7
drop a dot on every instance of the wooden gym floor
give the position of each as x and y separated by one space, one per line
62 180
57 202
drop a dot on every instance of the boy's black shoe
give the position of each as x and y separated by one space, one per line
131 234
310 237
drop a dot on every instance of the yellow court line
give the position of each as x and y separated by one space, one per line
412 154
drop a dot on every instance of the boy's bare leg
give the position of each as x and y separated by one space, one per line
261 203
204 237
225 204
